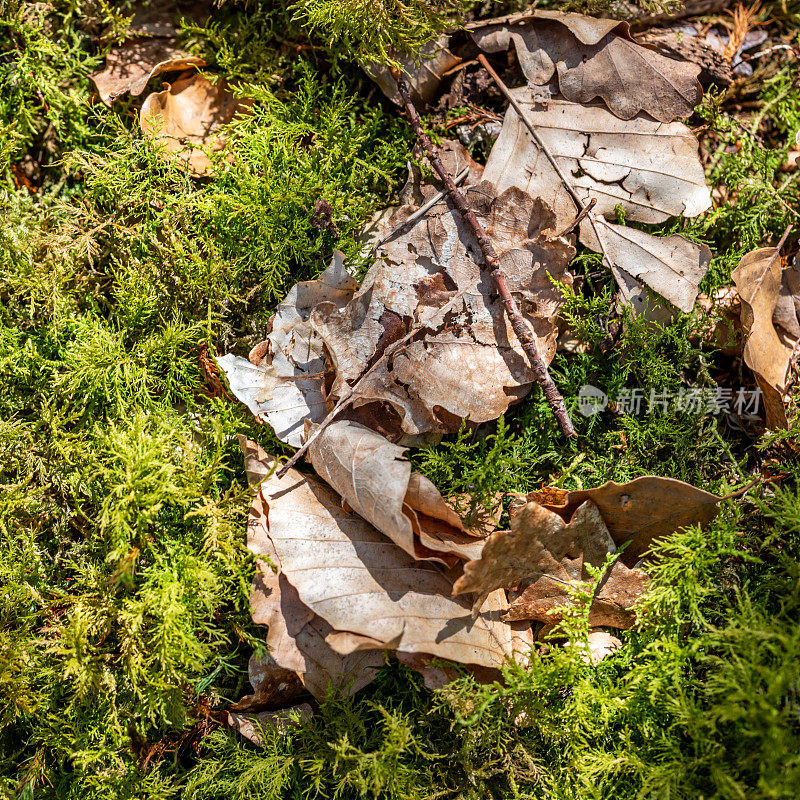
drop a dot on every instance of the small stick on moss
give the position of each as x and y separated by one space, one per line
539 368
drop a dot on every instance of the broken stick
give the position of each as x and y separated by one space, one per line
539 368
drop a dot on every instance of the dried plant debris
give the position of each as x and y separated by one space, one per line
186 117
542 557
129 67
375 480
595 58
423 72
370 592
639 511
759 280
254 726
283 382
469 365
650 170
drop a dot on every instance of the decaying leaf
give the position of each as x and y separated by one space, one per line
544 556
638 512
758 281
423 73
595 58
473 366
649 169
375 479
129 67
786 316
437 673
253 726
186 118
371 593
282 383
273 686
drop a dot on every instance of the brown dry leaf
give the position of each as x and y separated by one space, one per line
595 58
650 169
129 67
786 316
186 118
423 76
371 593
375 479
436 673
282 383
473 366
253 726
758 281
296 636
640 511
273 686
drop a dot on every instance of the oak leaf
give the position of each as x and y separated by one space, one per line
595 58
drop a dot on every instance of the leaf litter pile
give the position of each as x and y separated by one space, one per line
457 319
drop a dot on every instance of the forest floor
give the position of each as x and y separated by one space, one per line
125 627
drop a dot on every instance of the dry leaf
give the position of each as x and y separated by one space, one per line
371 593
473 366
186 118
283 381
595 58
375 479
639 511
651 170
786 316
273 686
423 74
252 726
436 673
129 67
758 281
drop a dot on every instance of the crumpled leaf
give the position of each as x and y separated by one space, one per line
375 479
639 511
282 383
423 74
595 58
129 67
186 118
473 366
371 593
758 281
252 726
651 170
544 556
786 316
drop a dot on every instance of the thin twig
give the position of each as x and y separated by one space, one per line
538 367
577 221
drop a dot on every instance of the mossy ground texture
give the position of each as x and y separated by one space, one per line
124 626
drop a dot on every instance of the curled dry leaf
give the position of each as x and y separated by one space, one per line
544 557
758 280
375 479
595 58
253 726
651 170
471 365
371 593
273 685
129 67
423 73
637 512
786 316
186 118
282 383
